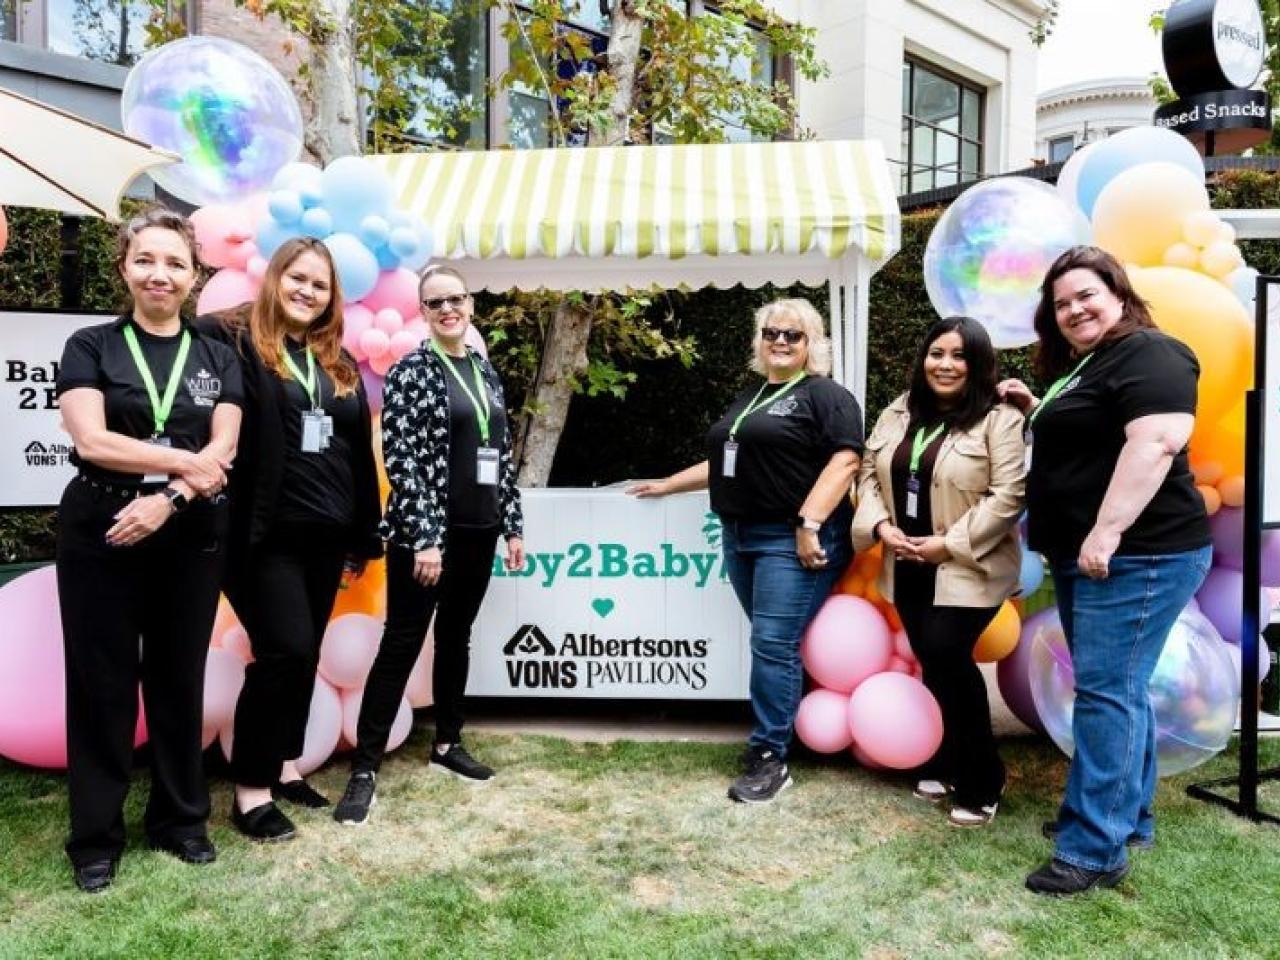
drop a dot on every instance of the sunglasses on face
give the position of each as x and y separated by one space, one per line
455 302
772 334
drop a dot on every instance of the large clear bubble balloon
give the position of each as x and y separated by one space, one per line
989 252
1195 692
225 110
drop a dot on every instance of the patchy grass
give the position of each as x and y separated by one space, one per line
631 850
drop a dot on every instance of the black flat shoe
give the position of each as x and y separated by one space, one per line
1058 879
196 850
301 793
264 823
1049 830
95 876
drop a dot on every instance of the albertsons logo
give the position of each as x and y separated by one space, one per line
39 454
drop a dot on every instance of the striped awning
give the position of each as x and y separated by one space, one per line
811 200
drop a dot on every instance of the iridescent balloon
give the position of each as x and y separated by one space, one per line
989 252
1195 691
225 110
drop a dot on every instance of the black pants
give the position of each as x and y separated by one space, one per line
455 600
161 593
943 639
283 593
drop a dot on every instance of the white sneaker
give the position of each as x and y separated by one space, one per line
935 791
969 817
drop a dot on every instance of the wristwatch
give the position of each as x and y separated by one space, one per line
804 523
177 499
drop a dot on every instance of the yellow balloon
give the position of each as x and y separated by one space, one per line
1232 491
1207 317
1202 228
1212 499
1226 233
1217 447
1218 259
1182 255
1000 637
1141 213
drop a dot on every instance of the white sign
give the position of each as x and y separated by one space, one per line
1271 408
34 447
1239 41
619 598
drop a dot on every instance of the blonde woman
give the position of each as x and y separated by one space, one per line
779 466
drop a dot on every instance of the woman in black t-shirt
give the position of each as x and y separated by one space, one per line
304 502
152 407
1112 505
779 465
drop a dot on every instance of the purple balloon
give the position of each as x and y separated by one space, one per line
1271 558
373 387
1220 598
1013 672
1227 527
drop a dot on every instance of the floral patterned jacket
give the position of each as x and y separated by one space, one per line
415 449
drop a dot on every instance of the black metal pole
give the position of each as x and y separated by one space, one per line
1249 614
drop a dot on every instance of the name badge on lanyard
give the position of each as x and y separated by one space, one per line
317 426
913 497
730 467
486 456
487 467
730 458
157 477
919 444
161 407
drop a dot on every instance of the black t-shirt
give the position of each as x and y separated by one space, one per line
1078 437
471 504
782 448
317 488
99 357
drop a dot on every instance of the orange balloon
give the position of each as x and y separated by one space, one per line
1000 637
1212 499
872 593
1207 472
1220 444
366 593
1232 491
1207 317
891 614
849 583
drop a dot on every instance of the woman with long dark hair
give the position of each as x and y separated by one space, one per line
941 487
304 504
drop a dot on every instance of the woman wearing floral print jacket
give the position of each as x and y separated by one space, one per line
447 449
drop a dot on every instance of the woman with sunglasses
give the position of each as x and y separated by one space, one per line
447 448
779 466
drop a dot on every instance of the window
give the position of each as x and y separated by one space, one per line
584 28
941 129
758 70
111 31
1061 148
8 20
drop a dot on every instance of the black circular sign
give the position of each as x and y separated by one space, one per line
1213 45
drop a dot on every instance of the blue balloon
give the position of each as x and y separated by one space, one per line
1032 574
418 259
297 177
354 189
1128 148
374 231
404 240
271 235
316 222
285 206
356 265
388 259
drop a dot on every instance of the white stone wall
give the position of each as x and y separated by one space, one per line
1092 110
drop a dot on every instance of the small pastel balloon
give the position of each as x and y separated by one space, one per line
355 189
845 643
898 665
902 645
374 231
424 251
1207 472
1031 573
316 222
418 327
1182 255
1226 233
387 258
346 653
1243 282
1220 259
33 696
285 206
357 267
1069 176
1201 228
388 321
418 690
822 721
236 641
1231 490
1220 597
372 388
374 344
1000 637
403 241
272 235
223 678
397 290
864 759
382 363
1227 529
402 342
401 726
1013 672
256 268
324 727
356 319
1212 499
895 720
1141 213
220 231
226 289
296 176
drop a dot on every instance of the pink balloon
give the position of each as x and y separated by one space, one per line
356 319
226 289
418 327
403 342
256 267
236 641
822 721
862 757
347 651
847 642
418 691
475 339
902 646
382 363
898 665
324 728
375 344
223 678
396 289
4 230
895 720
388 321
372 388
223 232
400 727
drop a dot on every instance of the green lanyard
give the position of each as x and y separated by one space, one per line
160 408
1056 388
757 403
308 384
920 444
481 405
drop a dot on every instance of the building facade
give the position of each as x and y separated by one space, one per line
1078 114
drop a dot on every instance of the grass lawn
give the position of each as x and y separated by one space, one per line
631 850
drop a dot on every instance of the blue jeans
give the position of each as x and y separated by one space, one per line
1116 629
780 597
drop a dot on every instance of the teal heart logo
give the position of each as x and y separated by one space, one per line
602 605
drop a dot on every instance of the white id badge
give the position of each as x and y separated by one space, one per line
313 432
327 424
487 467
913 494
730 458
158 477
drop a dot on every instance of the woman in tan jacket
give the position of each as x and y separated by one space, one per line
941 486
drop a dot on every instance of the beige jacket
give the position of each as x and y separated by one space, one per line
976 499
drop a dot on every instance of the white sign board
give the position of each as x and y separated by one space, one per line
1271 406
34 447
619 598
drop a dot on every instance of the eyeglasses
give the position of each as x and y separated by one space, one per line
771 334
455 302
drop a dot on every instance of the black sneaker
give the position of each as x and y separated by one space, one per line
353 808
461 764
751 755
765 779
